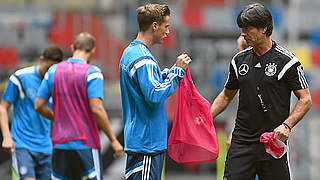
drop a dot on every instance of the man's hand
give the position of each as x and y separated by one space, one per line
282 133
183 61
101 117
118 149
8 145
42 108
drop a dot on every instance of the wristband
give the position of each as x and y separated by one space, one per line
287 126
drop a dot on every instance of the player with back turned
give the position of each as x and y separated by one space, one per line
77 92
29 140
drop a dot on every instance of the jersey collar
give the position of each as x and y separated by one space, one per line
134 42
274 44
76 60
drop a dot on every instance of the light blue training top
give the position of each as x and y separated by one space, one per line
94 84
29 129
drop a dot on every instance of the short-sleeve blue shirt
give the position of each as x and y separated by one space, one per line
29 129
94 85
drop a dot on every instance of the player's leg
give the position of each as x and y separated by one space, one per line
23 164
274 169
90 165
134 166
43 168
240 162
270 168
60 164
143 167
153 167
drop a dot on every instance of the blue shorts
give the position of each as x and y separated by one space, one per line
77 164
144 167
28 163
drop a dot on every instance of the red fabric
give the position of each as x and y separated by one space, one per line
9 56
316 98
273 146
316 56
193 17
170 42
73 119
193 137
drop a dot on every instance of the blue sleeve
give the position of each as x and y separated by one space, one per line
164 73
11 92
45 90
94 80
155 89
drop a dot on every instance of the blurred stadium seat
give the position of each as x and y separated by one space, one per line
9 57
316 56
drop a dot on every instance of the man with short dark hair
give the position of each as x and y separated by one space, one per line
144 89
77 92
265 75
29 140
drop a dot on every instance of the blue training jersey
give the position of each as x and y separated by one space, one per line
29 129
94 85
144 89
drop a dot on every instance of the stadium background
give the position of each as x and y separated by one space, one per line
205 29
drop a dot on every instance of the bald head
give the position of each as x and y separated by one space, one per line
84 42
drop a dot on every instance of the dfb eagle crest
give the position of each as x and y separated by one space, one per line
271 69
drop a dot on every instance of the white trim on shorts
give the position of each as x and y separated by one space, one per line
96 162
146 167
135 170
288 160
15 164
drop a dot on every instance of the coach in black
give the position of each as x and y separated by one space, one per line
265 75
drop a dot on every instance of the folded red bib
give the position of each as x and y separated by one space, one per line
275 147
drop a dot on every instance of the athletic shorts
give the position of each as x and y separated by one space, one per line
77 164
28 163
245 160
144 167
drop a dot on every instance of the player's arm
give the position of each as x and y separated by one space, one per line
43 95
101 117
295 79
9 96
154 89
222 101
183 61
303 105
7 143
94 82
301 108
42 108
164 73
228 93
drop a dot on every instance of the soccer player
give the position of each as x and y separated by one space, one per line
265 75
77 92
29 140
144 89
